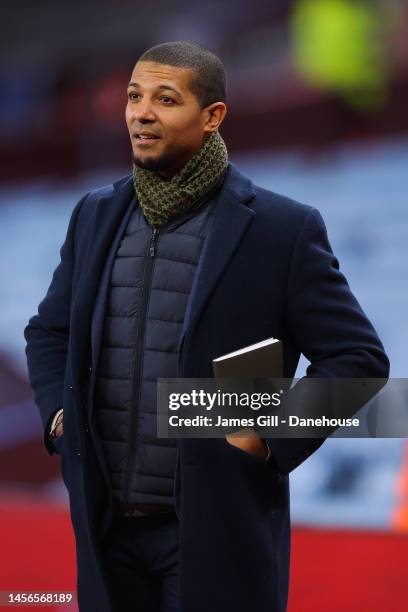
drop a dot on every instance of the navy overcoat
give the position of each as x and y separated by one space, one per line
267 269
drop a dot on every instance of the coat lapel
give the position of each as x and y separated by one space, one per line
231 219
108 215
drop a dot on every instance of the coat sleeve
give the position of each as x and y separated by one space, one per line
328 326
47 335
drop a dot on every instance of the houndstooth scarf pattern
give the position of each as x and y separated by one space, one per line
161 200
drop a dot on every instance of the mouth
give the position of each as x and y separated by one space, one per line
146 138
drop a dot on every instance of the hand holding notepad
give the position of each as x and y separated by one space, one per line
260 360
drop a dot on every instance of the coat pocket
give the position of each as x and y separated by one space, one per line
246 455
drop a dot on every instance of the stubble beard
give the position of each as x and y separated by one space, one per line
169 162
163 163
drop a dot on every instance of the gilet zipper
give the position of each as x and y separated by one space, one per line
138 365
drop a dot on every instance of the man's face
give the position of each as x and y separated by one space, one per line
166 124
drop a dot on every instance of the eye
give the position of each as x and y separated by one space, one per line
167 99
132 95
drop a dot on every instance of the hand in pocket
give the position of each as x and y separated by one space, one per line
251 443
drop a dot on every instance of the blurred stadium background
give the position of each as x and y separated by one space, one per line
318 98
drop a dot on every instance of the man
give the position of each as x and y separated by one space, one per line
166 269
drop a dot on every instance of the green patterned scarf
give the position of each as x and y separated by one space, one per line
161 200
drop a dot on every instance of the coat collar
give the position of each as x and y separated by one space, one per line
231 219
111 206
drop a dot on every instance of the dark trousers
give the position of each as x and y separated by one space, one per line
141 562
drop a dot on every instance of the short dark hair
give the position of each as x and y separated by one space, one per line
209 81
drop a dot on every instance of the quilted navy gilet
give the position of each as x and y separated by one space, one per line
150 284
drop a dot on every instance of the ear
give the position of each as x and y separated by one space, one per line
213 116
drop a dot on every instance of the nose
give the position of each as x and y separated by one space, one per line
143 112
